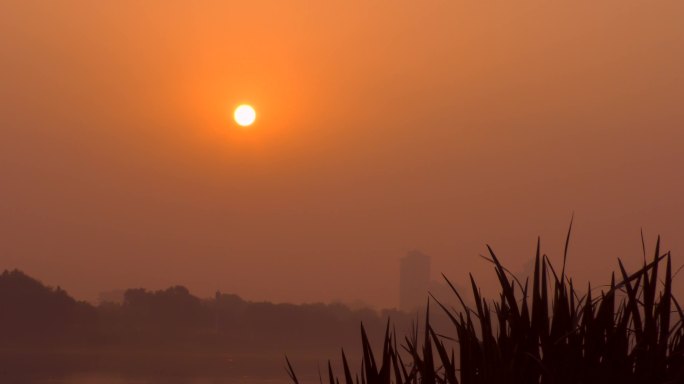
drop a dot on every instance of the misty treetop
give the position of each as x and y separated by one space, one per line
35 315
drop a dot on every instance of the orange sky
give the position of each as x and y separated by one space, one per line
383 126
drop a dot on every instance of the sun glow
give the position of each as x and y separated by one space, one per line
244 115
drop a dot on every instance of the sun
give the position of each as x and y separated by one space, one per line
244 115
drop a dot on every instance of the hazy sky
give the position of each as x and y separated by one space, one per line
383 126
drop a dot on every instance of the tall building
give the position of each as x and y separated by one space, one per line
414 280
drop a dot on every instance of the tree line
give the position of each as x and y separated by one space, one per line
35 315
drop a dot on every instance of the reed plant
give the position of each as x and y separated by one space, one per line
540 331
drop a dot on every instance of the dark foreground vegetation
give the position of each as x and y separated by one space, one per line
541 331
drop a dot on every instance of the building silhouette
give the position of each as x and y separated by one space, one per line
414 281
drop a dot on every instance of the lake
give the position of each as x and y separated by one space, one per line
138 367
110 378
